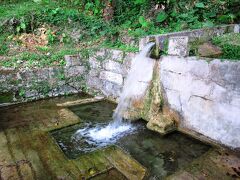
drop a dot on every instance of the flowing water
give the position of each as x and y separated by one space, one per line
134 86
136 82
99 128
161 155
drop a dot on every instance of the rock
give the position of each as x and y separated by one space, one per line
148 106
161 124
94 82
94 72
72 60
178 46
236 28
192 34
79 102
209 50
74 71
94 63
111 89
112 77
114 54
113 66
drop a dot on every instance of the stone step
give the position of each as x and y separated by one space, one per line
8 168
24 167
125 164
100 162
53 158
80 102
5 156
92 164
31 154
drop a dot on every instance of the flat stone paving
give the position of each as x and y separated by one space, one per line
27 150
215 164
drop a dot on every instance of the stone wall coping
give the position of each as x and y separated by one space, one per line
205 59
192 34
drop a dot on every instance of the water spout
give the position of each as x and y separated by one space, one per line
136 82
135 86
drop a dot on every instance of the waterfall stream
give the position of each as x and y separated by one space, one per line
135 86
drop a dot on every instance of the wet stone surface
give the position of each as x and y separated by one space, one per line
28 150
161 155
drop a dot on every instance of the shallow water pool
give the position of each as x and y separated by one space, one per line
162 156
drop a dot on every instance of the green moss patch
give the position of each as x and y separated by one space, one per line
6 97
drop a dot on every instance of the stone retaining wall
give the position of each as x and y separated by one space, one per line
205 33
108 70
202 95
104 72
29 84
206 95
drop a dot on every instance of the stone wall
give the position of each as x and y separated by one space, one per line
29 84
205 33
104 73
108 70
206 95
201 96
196 95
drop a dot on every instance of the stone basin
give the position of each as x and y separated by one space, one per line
29 151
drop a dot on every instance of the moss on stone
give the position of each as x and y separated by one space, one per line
6 97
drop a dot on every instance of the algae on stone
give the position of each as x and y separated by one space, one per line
150 107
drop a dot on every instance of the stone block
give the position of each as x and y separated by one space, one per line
74 71
94 82
113 66
100 52
127 62
112 77
94 72
111 89
72 60
209 50
94 63
236 28
42 73
178 46
115 55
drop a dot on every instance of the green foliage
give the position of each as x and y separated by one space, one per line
199 5
128 15
121 46
22 93
3 47
143 22
48 57
134 18
230 44
162 16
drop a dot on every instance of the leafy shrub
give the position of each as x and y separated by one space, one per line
3 45
230 44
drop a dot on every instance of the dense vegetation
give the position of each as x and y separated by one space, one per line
86 23
230 45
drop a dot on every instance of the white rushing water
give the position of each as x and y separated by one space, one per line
136 83
135 86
